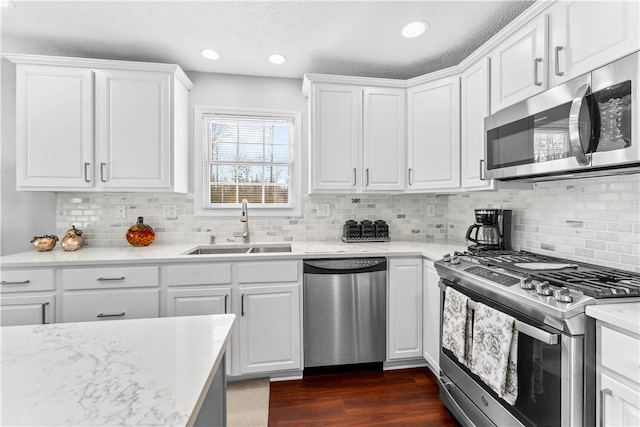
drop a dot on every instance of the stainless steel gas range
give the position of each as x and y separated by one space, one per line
547 298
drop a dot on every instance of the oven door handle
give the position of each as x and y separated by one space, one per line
537 334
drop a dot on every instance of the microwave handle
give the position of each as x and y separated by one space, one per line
574 125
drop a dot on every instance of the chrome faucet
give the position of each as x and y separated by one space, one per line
245 219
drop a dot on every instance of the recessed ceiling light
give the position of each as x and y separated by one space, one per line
414 29
276 58
210 54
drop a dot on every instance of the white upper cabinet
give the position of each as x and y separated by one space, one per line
519 65
585 35
96 125
384 139
474 107
357 136
433 122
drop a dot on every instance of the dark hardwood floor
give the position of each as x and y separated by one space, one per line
406 397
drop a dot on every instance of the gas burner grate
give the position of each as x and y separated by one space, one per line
604 283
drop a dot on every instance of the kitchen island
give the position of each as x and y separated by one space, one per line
162 371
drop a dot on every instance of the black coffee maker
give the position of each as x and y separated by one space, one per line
492 230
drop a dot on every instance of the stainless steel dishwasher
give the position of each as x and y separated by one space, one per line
344 311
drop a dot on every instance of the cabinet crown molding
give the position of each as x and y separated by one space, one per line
350 80
64 61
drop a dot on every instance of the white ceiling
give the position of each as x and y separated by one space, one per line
359 38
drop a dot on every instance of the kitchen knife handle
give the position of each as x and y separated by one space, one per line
355 174
102 166
557 56
107 279
603 394
366 174
535 71
409 177
101 315
242 305
23 282
86 175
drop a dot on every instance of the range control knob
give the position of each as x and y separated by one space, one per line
562 295
446 258
527 283
455 260
543 288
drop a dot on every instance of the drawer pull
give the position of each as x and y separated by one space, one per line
44 313
242 305
226 298
109 279
535 71
603 395
24 282
111 315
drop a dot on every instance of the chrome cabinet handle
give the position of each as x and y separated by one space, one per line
111 315
44 313
535 71
575 138
24 282
109 279
242 305
102 166
226 298
482 170
409 177
355 174
557 54
603 393
366 174
86 175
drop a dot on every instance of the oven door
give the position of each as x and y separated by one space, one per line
550 378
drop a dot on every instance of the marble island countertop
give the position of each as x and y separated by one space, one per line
178 253
129 372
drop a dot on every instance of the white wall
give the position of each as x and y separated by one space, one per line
22 214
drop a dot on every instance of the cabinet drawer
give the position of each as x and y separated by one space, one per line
268 272
108 305
109 277
27 280
198 274
620 353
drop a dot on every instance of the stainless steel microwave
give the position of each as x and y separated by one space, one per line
586 126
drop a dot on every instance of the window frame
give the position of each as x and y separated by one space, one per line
294 206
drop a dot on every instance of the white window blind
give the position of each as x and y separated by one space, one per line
247 157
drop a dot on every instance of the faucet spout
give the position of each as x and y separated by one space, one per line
244 218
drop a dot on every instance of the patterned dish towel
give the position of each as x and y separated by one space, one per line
456 325
495 351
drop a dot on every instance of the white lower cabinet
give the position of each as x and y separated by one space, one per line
404 315
617 377
27 310
196 302
269 326
431 316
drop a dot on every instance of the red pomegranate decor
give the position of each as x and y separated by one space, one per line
140 234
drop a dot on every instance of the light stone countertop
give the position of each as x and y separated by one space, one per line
129 372
176 253
625 316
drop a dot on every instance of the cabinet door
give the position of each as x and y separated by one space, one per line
434 135
109 305
577 47
405 309
54 112
336 138
619 403
384 139
431 316
474 107
269 328
519 65
26 310
195 302
133 129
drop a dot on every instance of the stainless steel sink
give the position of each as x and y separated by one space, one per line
212 250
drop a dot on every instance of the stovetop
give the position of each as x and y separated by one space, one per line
556 288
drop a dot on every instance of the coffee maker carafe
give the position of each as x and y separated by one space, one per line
492 230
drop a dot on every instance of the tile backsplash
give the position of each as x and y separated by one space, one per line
595 220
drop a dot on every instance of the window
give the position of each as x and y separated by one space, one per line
248 155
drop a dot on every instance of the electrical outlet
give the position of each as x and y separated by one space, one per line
431 210
121 211
169 212
324 209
